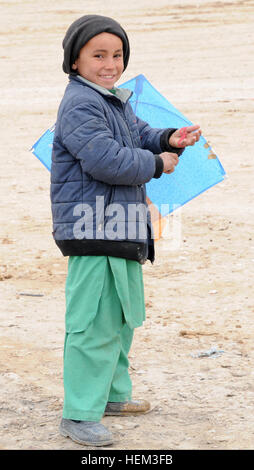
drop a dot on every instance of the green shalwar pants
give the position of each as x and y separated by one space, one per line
104 303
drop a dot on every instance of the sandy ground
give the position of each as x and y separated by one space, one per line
199 295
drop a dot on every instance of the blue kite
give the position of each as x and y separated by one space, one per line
198 170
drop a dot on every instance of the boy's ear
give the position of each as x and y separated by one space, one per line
74 66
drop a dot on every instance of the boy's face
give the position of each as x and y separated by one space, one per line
101 60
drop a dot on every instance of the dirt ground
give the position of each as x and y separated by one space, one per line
199 295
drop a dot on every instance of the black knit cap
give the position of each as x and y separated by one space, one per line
84 29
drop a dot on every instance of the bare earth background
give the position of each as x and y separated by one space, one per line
199 296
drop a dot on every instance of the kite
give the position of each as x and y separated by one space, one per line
198 169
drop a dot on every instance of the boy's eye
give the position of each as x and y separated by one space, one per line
101 56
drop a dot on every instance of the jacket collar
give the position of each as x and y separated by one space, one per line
121 93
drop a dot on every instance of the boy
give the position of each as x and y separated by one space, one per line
102 157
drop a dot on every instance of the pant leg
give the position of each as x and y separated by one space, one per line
121 386
88 369
91 357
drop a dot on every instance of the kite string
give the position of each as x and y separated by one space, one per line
183 135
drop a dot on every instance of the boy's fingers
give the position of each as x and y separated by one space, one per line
192 128
189 135
193 139
196 135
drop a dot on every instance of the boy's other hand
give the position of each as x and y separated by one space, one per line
185 136
170 160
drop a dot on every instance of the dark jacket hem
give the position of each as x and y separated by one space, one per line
121 249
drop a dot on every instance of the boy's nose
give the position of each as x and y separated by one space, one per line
109 64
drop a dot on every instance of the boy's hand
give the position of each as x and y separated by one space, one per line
170 160
185 136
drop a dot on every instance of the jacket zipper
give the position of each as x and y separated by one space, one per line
126 123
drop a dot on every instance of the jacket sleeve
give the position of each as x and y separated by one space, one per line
87 136
156 140
150 137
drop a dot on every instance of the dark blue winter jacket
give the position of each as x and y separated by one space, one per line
102 157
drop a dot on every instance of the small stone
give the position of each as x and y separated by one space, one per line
117 426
